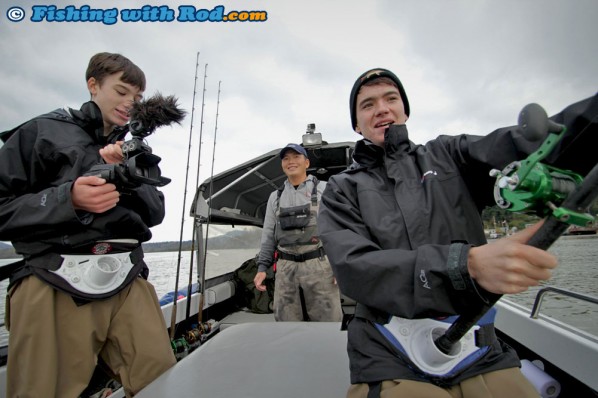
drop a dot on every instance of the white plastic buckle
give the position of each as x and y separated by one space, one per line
95 274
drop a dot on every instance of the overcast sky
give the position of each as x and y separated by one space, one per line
467 67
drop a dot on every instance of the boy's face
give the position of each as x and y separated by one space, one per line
377 107
115 98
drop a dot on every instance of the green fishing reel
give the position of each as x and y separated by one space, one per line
529 186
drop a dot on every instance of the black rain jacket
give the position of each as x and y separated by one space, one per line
39 163
401 216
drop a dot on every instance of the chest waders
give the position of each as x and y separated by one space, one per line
297 226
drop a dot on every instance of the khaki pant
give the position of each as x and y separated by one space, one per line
321 294
54 344
506 383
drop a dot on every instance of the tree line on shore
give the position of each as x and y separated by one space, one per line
231 240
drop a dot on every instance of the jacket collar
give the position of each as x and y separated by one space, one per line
396 142
89 117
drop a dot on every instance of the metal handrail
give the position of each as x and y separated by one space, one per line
540 296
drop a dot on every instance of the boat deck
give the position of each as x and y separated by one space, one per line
294 359
244 317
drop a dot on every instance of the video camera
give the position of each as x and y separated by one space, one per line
139 165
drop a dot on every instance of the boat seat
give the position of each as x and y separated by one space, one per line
262 360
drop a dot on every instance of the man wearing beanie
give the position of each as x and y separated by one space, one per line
403 231
290 229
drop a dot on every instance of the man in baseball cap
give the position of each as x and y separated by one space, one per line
290 229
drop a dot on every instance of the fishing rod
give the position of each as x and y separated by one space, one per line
530 186
190 282
178 267
203 269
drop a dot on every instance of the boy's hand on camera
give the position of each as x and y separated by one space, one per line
93 194
112 153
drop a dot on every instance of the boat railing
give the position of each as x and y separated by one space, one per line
542 292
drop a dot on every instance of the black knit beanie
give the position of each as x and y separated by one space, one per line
371 75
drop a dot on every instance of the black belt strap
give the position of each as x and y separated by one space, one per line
136 254
374 389
8 269
300 258
485 335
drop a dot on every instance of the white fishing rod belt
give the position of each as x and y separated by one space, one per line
95 274
415 339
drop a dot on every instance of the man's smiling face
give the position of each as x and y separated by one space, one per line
295 165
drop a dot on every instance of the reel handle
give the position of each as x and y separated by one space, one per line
535 124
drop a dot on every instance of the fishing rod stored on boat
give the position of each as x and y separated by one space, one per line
140 165
193 338
530 186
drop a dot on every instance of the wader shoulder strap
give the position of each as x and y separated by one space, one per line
314 192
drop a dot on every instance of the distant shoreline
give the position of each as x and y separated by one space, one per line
155 247
9 252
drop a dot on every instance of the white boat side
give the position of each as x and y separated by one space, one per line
570 349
